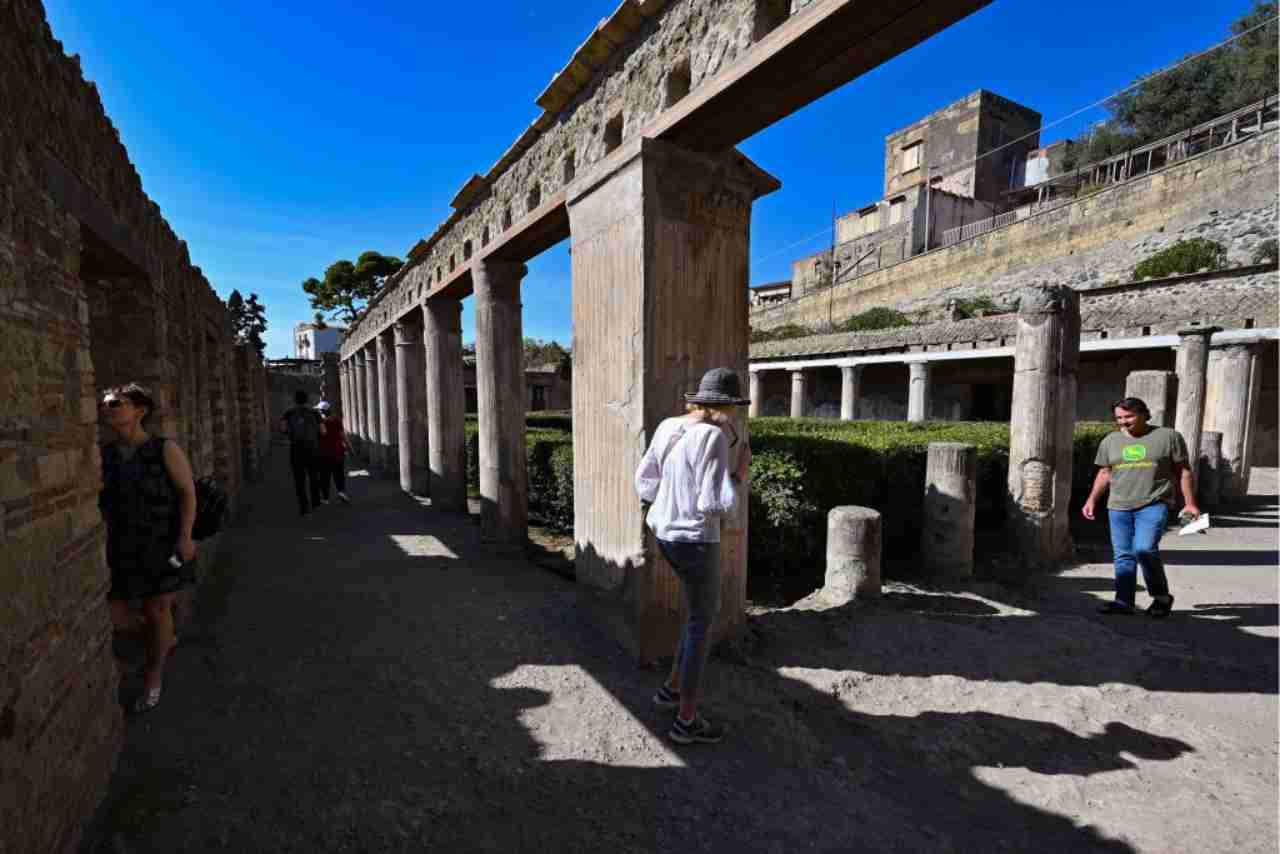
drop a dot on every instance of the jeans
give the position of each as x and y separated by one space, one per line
698 566
306 477
1135 540
332 470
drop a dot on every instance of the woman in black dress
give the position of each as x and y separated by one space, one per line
149 503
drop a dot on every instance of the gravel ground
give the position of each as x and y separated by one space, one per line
370 679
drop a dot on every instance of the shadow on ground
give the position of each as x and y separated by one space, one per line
378 681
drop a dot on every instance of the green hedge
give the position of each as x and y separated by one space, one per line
801 468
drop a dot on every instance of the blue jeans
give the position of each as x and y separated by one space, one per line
698 566
1135 540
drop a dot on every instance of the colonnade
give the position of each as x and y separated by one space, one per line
919 379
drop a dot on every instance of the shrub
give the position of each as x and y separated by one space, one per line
874 318
1266 251
967 308
780 333
1185 256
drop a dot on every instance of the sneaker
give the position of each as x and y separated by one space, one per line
1114 607
323 501
666 699
698 730
1160 606
345 499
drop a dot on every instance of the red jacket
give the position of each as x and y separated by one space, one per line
333 444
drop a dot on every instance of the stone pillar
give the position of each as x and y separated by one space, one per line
344 385
388 412
411 405
643 234
950 507
1046 356
918 392
756 403
1193 370
799 393
1230 408
1158 390
850 391
372 390
329 389
853 555
1209 469
501 402
360 409
446 403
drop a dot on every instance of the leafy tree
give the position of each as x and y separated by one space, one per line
319 322
347 288
538 353
248 320
1266 251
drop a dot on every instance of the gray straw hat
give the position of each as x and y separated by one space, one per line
719 386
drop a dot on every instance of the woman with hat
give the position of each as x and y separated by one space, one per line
687 477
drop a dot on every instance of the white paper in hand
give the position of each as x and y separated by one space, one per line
1197 526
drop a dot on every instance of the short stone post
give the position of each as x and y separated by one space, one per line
1229 408
799 391
373 434
918 392
850 391
501 397
1043 404
388 408
853 555
950 507
446 403
1193 370
753 409
1208 469
1158 390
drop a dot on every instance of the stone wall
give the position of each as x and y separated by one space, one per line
1228 194
95 289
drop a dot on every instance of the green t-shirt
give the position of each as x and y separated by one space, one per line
1142 469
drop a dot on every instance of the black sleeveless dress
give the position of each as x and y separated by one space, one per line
140 506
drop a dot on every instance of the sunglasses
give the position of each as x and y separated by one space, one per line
114 403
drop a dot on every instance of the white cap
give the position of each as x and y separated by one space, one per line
323 406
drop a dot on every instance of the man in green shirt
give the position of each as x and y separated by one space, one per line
1143 465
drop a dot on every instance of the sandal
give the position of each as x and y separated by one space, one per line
148 701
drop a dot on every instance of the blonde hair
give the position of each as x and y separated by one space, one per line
725 409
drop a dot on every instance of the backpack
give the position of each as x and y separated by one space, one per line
303 425
211 509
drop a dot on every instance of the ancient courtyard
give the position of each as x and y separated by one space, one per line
458 649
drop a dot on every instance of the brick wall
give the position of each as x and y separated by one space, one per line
95 289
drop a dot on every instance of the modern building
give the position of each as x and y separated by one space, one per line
310 341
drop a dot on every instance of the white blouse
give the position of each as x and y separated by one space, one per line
684 475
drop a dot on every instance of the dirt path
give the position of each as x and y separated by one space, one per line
373 680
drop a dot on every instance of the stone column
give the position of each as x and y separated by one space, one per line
446 403
1230 408
799 393
1158 390
1193 371
359 409
850 391
411 406
1046 356
501 402
372 390
388 412
918 392
950 508
754 395
853 555
344 382
329 388
663 218
1208 469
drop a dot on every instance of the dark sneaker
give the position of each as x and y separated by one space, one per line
666 699
1114 607
699 730
1160 606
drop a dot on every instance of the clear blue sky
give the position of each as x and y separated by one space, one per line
278 137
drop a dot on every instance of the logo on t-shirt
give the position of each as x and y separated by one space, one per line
1134 453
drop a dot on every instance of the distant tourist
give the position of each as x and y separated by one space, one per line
302 423
148 500
687 477
333 454
1144 466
